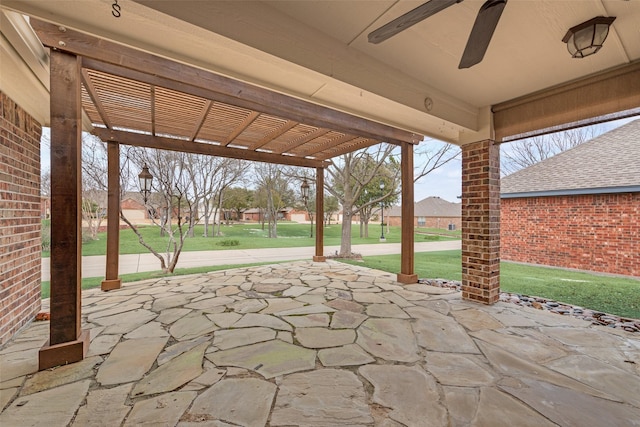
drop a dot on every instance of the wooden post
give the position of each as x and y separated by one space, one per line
67 342
407 274
112 281
319 256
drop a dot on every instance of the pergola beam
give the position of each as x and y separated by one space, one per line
242 94
184 146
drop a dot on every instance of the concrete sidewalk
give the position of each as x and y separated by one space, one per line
94 266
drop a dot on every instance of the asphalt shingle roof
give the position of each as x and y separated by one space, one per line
432 207
609 161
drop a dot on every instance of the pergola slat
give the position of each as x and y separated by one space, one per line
235 92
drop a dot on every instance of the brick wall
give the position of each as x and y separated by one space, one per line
481 222
589 232
20 239
430 222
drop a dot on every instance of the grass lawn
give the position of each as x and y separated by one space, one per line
252 236
614 295
94 282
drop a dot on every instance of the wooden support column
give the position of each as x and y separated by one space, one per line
319 256
112 281
407 254
68 343
481 221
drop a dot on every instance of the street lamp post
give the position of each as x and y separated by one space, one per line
382 238
304 189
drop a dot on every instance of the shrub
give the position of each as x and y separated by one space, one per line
229 242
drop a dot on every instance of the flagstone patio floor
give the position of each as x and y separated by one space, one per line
320 344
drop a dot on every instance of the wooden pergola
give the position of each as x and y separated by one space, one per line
135 98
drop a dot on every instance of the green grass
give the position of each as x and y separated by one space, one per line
94 282
249 236
614 295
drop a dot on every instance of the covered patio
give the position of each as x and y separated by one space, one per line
321 344
297 83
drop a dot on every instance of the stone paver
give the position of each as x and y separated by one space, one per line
104 407
410 392
270 359
244 402
53 407
389 339
326 397
320 344
130 360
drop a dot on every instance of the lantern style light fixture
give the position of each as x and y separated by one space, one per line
587 38
146 179
304 189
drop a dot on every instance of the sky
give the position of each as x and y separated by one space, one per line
445 182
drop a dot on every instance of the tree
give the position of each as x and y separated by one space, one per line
378 189
210 177
348 176
237 199
527 152
274 192
94 185
432 155
331 207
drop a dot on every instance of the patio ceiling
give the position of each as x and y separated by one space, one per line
139 99
318 51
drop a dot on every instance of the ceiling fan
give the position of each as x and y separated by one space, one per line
478 41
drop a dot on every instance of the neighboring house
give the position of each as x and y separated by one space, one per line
133 208
432 212
579 209
284 214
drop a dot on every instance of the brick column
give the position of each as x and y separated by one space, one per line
20 218
481 222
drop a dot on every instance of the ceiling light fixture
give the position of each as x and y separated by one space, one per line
587 38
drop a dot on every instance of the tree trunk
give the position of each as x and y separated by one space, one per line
345 241
207 217
219 233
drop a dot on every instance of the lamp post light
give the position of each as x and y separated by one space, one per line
146 179
382 238
304 189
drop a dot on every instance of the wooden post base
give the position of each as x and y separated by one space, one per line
407 278
319 258
64 353
110 285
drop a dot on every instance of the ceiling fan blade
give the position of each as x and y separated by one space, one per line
481 34
408 19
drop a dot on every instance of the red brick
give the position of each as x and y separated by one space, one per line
19 218
589 232
481 222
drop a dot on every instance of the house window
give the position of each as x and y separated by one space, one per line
421 221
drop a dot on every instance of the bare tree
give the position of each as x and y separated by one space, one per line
174 198
432 155
94 185
348 176
526 152
274 187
